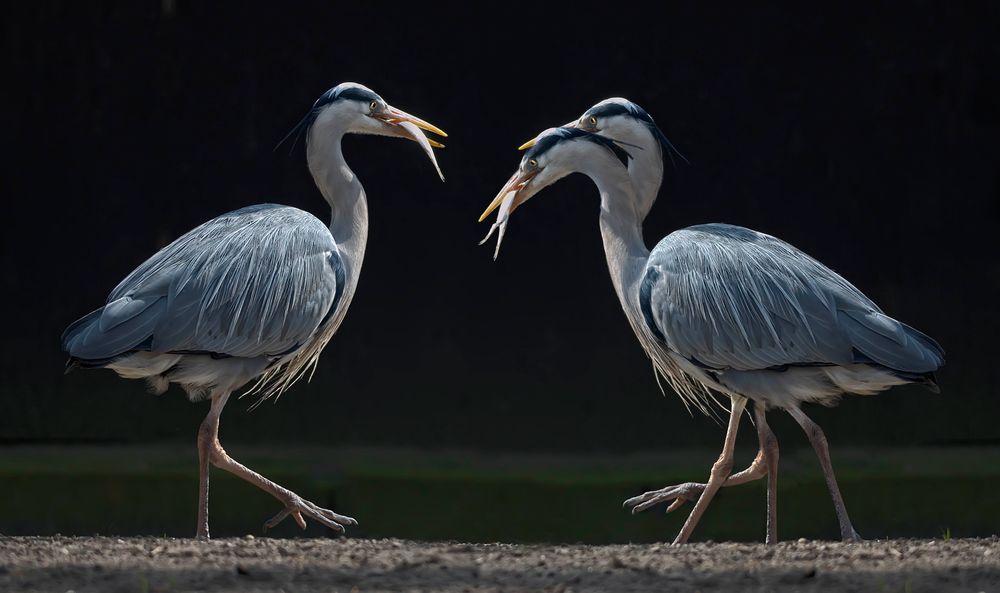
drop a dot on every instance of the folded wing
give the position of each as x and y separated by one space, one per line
726 297
254 282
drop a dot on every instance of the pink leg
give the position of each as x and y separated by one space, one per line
207 433
818 440
764 464
210 450
769 449
678 494
720 471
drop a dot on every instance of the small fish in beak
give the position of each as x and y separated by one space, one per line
510 197
500 224
410 126
414 133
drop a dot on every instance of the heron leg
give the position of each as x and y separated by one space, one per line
819 443
211 449
678 494
720 470
207 433
769 451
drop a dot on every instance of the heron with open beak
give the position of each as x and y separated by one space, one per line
722 309
253 295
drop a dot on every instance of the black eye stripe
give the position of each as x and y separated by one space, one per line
630 109
355 94
553 138
350 93
627 109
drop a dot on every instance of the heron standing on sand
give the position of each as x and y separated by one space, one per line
254 294
721 308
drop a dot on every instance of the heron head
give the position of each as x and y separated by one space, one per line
353 108
555 153
623 121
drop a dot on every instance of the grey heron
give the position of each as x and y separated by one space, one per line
254 294
721 308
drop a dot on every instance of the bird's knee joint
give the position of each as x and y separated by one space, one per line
816 435
722 468
217 456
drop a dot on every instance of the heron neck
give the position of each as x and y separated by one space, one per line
646 171
621 230
345 194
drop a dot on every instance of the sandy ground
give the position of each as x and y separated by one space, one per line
355 565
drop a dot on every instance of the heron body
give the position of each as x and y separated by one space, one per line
721 308
242 293
254 294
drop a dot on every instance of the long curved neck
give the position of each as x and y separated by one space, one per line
646 170
345 194
621 230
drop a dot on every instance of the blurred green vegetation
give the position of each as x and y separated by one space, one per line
453 495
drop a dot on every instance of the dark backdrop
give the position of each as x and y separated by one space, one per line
865 137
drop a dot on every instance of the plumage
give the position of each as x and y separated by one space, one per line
252 295
558 135
721 309
623 107
733 301
255 283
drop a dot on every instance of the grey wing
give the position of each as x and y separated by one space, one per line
254 282
726 297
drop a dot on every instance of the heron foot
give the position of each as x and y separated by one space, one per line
296 507
675 495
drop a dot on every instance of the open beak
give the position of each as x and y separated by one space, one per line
514 193
531 142
515 184
391 115
410 126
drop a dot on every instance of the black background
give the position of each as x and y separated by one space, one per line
865 137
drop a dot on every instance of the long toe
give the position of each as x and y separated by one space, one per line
675 495
321 514
298 508
635 500
342 519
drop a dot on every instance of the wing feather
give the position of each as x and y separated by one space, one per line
726 297
253 282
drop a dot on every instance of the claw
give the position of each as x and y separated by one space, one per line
632 501
676 495
676 504
270 523
296 507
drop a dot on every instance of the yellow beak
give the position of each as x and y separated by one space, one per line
393 115
514 184
532 142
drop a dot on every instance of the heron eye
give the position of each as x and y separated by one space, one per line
532 163
593 120
374 106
